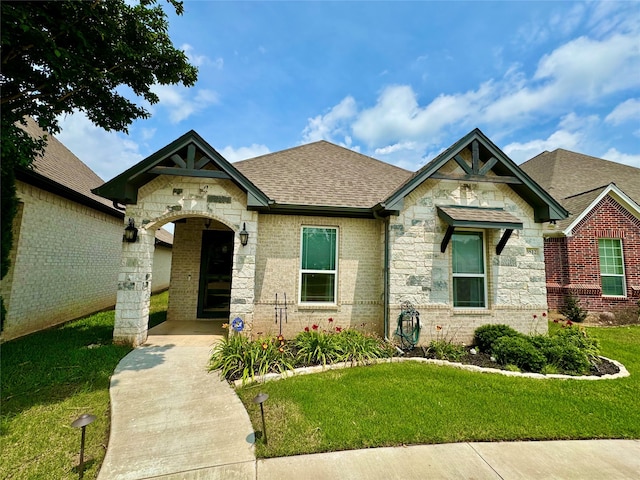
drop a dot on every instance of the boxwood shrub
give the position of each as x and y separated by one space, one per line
519 351
486 335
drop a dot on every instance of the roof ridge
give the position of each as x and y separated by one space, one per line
601 187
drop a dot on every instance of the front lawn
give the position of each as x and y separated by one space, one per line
50 378
412 403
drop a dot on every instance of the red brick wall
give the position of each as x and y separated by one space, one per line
572 263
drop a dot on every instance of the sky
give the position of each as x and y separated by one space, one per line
398 81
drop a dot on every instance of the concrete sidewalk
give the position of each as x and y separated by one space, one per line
171 419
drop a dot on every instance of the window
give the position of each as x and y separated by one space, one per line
611 266
469 279
318 265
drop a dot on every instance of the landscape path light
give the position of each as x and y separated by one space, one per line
81 422
261 398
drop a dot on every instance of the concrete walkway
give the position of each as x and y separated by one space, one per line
171 419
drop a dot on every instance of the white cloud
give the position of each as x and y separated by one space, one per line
519 152
331 124
628 110
182 102
616 156
200 60
107 153
242 153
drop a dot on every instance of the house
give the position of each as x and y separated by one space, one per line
594 254
67 245
341 235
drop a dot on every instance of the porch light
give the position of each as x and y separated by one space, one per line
244 235
130 232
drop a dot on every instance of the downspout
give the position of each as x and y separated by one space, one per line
385 281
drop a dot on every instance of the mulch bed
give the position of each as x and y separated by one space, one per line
484 360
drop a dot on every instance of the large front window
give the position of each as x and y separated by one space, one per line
318 265
611 266
469 279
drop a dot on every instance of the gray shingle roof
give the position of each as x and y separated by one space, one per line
564 174
322 173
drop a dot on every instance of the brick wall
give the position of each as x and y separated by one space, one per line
64 262
360 285
421 274
578 259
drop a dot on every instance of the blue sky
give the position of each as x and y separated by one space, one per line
394 80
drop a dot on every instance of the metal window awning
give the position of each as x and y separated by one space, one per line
478 217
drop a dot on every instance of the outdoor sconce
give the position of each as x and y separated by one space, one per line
130 232
244 235
261 398
81 422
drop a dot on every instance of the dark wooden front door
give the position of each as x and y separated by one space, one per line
214 295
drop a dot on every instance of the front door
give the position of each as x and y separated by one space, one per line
214 295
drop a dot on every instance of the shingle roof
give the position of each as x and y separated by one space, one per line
60 165
323 174
578 204
564 174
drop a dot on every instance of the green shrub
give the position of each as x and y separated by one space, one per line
577 337
519 351
315 347
357 347
572 309
239 358
444 350
486 335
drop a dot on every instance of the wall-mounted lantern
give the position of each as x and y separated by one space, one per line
244 235
130 232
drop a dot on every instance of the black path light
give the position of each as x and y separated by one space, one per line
261 398
81 422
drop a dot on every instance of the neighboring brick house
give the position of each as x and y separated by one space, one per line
67 245
342 235
594 254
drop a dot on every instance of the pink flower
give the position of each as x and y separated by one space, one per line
338 329
544 314
535 316
330 320
306 329
314 326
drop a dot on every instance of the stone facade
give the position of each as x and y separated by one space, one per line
168 199
421 274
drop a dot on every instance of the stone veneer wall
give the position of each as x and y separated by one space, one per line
360 274
167 199
421 274
64 262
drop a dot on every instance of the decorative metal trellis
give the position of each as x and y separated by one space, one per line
281 311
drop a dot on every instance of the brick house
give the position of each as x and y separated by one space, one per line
67 245
342 235
594 254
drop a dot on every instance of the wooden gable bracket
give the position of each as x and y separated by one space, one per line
190 168
503 241
447 237
475 173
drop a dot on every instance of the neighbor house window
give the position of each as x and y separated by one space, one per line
318 265
469 278
611 266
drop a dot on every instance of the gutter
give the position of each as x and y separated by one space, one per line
385 223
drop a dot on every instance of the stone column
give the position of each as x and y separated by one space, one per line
134 290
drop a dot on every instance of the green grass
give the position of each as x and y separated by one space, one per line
51 377
412 403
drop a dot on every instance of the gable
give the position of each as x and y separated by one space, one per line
476 159
188 156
